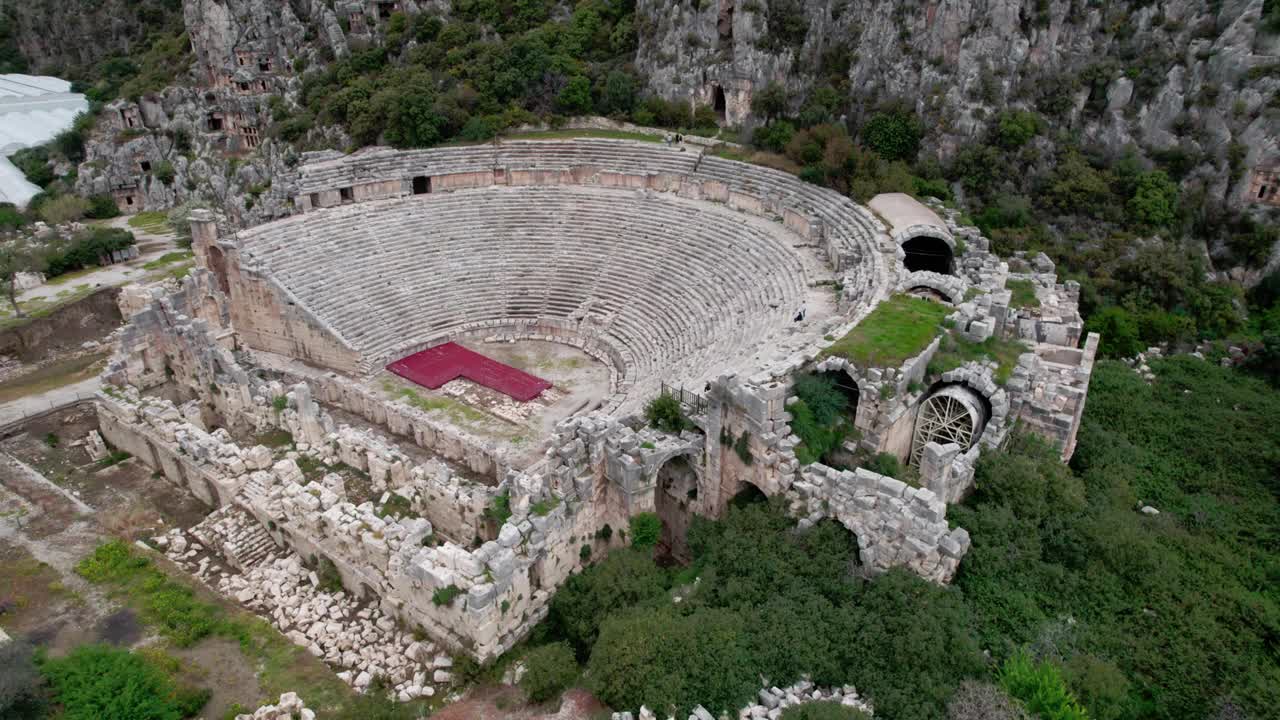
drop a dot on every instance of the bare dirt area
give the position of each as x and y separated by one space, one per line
135 501
53 374
503 702
217 664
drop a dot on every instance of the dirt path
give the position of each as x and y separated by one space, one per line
151 246
19 408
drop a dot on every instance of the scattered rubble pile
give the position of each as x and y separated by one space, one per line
333 627
772 702
363 641
290 707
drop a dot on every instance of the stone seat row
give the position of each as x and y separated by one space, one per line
854 226
721 276
511 155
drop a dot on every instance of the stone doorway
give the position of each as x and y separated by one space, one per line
928 253
718 103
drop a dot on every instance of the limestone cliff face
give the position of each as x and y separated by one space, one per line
207 142
1179 74
1158 76
61 36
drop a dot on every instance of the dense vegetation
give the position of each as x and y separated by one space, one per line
432 81
1081 603
1128 230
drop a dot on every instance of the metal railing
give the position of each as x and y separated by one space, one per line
693 401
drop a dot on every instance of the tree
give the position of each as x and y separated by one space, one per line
549 669
1155 200
771 102
1119 331
664 413
670 662
1015 128
619 93
626 578
575 98
20 255
894 133
102 207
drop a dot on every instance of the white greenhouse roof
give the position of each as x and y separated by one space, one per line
33 110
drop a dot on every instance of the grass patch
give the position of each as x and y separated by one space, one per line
457 411
1024 294
956 351
154 222
115 458
774 161
898 329
168 258
570 133
184 617
543 507
51 377
275 438
38 307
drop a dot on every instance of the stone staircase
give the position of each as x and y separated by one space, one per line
238 537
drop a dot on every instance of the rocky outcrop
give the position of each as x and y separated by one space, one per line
61 37
1175 74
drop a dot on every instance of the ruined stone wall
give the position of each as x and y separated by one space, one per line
896 524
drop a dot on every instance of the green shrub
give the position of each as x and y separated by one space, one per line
1155 200
279 403
64 209
624 579
98 682
665 413
499 509
646 530
669 662
1015 128
101 207
549 669
825 710
164 172
330 578
445 595
894 133
884 464
742 446
1119 331
1039 686
92 246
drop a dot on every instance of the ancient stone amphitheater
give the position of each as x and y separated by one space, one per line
663 268
665 263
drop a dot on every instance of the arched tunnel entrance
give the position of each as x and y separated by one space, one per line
949 414
718 103
847 387
928 253
677 488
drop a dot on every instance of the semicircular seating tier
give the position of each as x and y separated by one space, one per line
663 287
847 232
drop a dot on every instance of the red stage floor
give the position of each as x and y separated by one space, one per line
437 366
